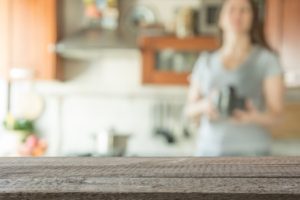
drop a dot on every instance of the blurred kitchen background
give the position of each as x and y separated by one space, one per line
110 77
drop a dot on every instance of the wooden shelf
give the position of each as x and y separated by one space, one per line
191 43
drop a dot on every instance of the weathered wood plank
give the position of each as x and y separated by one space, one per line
154 167
157 185
150 178
145 196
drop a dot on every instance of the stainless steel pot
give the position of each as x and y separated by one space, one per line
111 143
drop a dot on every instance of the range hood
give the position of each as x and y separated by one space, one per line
90 42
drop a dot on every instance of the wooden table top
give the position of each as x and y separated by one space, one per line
150 178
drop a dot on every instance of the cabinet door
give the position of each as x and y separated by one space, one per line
32 32
291 40
283 30
273 23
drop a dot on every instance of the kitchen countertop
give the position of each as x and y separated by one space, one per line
293 94
150 178
286 147
279 147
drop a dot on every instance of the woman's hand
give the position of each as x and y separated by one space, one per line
272 116
208 109
250 115
198 105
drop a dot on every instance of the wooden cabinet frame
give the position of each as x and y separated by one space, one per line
150 45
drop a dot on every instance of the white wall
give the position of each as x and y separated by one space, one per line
102 94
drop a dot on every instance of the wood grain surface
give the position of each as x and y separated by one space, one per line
150 178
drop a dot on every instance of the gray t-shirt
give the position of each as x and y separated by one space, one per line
223 137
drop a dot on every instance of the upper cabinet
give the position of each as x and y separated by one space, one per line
169 60
29 36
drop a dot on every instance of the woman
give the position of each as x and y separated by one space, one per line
245 62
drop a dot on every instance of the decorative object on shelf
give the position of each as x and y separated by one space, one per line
140 18
208 22
103 12
91 9
184 25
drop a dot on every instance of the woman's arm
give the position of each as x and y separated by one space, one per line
197 105
273 89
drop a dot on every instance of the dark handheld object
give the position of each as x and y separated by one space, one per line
167 135
228 101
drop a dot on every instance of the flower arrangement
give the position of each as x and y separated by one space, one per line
30 144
